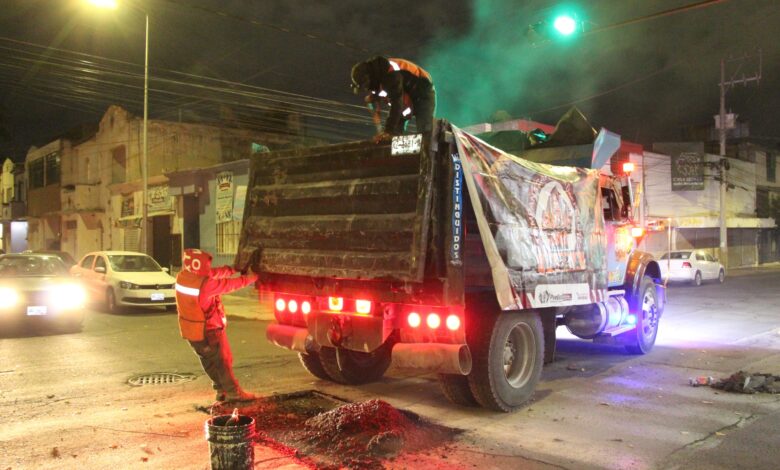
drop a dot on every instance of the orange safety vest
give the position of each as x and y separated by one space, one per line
192 318
396 65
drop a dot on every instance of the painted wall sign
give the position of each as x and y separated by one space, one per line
159 200
224 196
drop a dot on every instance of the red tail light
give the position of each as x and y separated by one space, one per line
433 321
292 306
305 307
281 305
363 306
453 322
686 264
336 303
414 319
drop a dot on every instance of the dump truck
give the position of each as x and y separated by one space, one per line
445 254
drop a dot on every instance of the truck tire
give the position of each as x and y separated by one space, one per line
508 357
648 313
354 367
311 362
457 390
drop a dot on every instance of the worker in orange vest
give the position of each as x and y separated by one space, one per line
202 321
395 79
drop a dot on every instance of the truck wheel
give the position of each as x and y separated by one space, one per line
648 313
354 367
457 390
311 362
509 352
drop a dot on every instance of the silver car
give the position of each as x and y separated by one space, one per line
118 279
36 290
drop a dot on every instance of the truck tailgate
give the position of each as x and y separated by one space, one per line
346 211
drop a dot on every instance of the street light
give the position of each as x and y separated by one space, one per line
113 5
565 25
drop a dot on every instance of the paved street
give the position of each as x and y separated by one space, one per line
65 401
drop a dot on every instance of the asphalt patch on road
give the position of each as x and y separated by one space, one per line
328 432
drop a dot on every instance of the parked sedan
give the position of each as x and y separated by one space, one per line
119 279
36 289
692 266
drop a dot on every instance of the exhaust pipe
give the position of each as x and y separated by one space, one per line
436 357
290 337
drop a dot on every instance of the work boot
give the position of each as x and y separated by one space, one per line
239 395
220 395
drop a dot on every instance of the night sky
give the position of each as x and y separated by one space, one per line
62 64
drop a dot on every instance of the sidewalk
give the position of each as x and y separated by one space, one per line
247 303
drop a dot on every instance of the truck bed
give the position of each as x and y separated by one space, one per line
346 211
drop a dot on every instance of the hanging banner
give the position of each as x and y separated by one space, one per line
238 205
128 207
159 200
224 196
541 227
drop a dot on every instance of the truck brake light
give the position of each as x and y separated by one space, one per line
453 322
292 306
433 321
414 319
336 303
305 307
363 306
281 305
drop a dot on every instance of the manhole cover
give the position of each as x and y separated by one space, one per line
159 378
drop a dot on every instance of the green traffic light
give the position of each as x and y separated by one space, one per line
565 25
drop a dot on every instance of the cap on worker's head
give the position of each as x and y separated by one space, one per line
360 77
196 261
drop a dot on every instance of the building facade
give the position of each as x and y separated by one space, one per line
13 224
93 200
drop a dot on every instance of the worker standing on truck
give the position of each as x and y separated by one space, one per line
202 321
395 79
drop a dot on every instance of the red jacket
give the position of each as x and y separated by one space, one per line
220 282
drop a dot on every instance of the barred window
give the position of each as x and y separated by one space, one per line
228 234
52 168
35 168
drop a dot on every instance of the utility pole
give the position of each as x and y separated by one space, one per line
722 128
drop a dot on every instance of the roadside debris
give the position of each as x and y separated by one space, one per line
746 382
328 432
701 381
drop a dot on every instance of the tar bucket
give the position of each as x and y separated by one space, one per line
230 442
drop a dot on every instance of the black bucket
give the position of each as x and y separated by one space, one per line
231 446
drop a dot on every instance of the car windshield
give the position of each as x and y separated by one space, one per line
133 263
31 266
677 255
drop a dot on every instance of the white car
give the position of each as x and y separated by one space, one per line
119 279
692 266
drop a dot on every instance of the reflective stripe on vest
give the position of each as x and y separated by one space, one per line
187 290
192 319
400 64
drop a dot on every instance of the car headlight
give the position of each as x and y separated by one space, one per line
8 297
68 296
127 285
